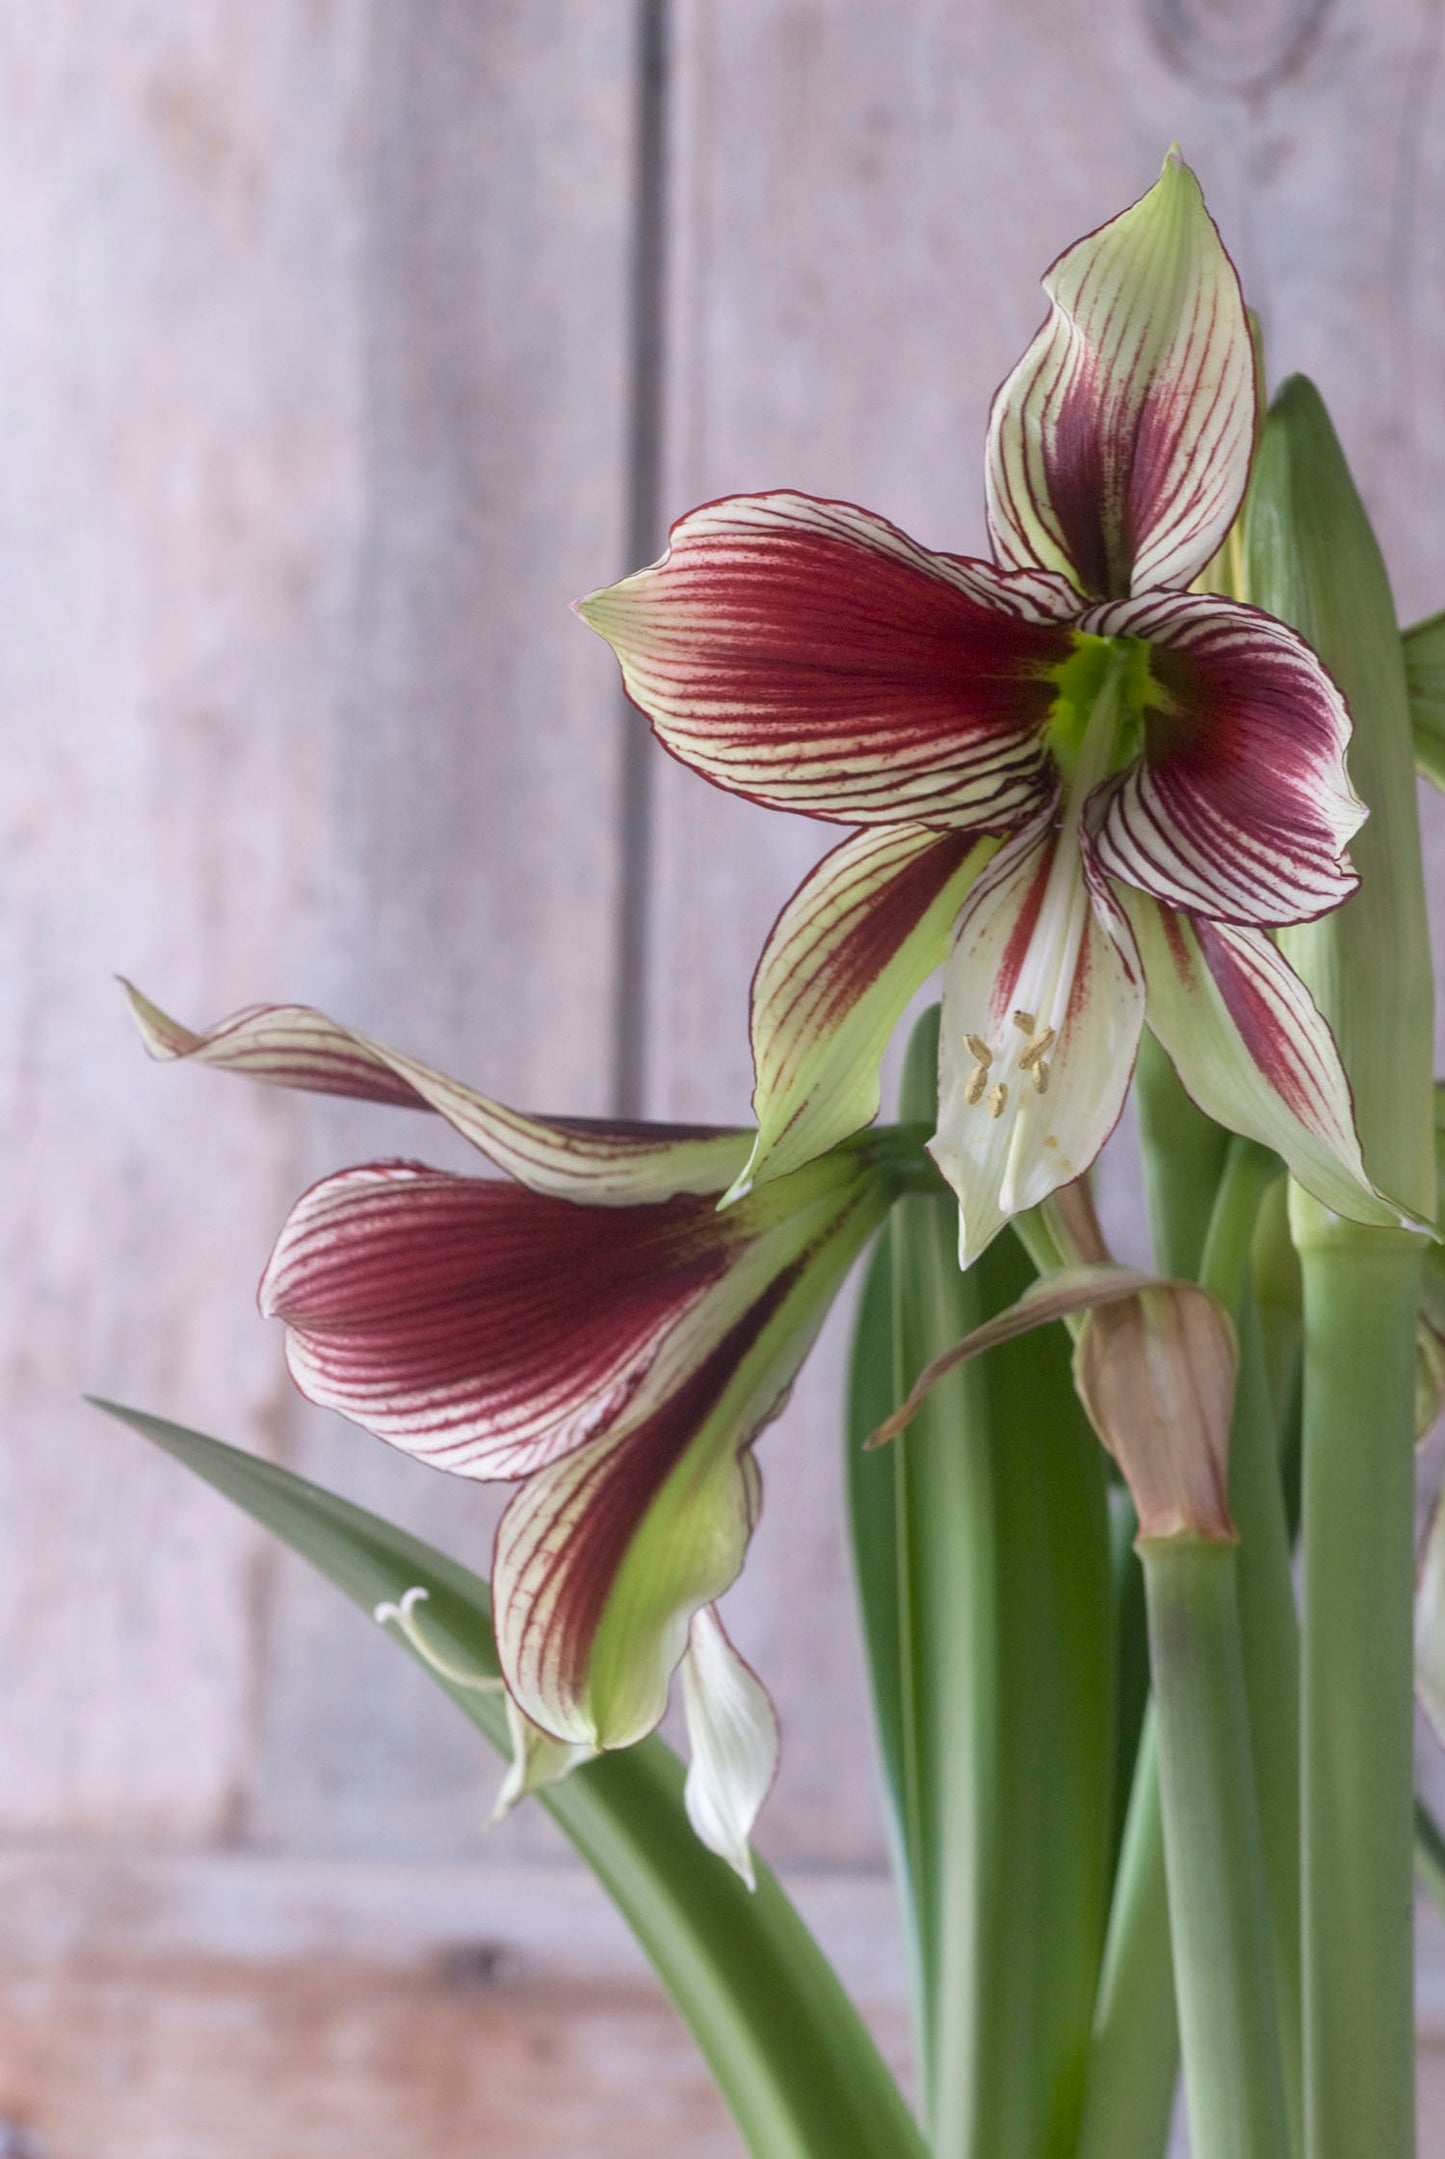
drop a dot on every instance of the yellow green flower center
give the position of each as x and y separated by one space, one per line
1106 684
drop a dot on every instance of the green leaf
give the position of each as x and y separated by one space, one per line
1424 648
982 1556
1429 1853
1311 558
872 1484
787 2048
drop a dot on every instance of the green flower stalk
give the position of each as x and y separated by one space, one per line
1310 557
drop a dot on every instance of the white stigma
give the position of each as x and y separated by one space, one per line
402 1617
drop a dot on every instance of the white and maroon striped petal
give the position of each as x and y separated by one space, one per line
603 1558
605 1165
853 944
481 1327
1251 1047
1119 447
1043 1000
732 1733
808 655
1240 806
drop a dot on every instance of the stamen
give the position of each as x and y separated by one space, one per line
1037 1050
1025 1022
1040 1073
977 1081
477 1682
997 1100
979 1049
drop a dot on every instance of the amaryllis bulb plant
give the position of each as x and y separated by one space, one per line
1136 1592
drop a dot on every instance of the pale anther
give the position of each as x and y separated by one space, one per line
1025 1022
979 1049
977 1081
1037 1051
1040 1073
997 1100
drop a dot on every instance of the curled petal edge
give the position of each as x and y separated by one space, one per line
603 1164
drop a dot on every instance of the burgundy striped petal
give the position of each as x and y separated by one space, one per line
603 1558
605 1165
860 935
482 1327
1240 806
1119 447
810 656
1251 1047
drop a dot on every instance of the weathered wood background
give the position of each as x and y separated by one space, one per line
342 342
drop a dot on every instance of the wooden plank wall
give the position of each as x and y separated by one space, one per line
340 346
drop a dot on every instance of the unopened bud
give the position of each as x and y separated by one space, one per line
1156 1375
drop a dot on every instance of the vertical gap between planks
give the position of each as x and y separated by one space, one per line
646 363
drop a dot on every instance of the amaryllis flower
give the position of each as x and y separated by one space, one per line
1083 788
597 1329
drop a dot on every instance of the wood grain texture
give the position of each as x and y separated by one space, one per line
313 324
278 2009
179 385
474 815
863 201
252 2009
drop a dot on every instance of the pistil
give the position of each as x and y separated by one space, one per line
1050 967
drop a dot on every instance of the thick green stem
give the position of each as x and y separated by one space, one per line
1269 1636
1002 1706
1134 2054
1361 1293
1232 2075
1268 1627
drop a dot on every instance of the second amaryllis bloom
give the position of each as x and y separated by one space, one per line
598 1330
1083 789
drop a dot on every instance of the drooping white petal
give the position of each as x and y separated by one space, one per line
1043 1000
732 1731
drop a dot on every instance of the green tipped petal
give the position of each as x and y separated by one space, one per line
849 950
1119 446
